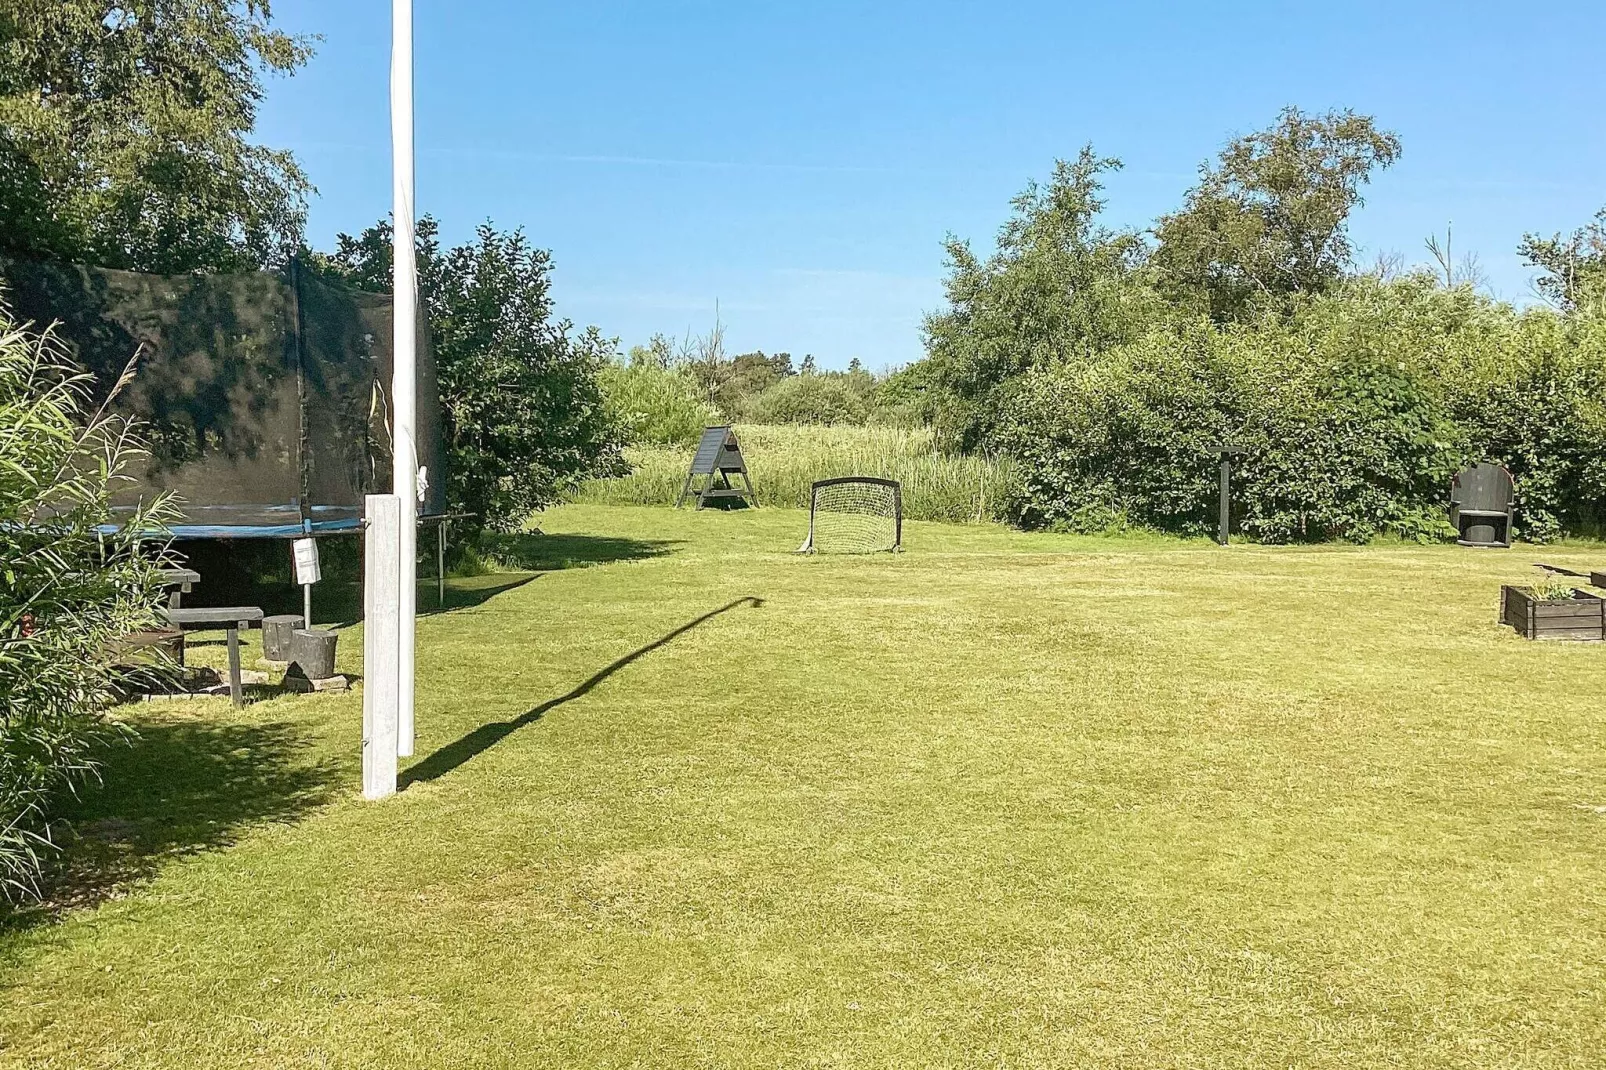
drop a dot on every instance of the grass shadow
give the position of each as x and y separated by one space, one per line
536 551
254 576
176 789
486 736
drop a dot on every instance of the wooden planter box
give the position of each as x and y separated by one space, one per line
1581 617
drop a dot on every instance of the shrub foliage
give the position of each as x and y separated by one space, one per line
523 411
1354 412
654 404
1108 368
67 594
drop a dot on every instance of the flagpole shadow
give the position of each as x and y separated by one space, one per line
486 736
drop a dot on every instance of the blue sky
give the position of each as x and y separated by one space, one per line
801 163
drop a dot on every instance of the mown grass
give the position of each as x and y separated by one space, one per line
1002 800
785 460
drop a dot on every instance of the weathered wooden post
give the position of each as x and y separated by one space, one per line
381 646
1227 453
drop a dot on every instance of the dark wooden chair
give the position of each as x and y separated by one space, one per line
1483 506
229 618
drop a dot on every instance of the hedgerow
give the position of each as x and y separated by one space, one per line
1354 412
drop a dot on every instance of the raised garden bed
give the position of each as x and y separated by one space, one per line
1580 615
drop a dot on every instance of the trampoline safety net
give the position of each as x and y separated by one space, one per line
264 396
854 515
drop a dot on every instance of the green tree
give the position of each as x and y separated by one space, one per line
1059 286
522 406
1269 219
752 374
124 134
1572 268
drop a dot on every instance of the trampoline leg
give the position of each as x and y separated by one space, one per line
440 566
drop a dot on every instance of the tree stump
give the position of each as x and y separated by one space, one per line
312 654
276 635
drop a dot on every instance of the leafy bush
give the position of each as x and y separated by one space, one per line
654 405
823 398
1535 401
908 397
1355 410
523 411
66 598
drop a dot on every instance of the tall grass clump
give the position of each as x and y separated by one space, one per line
68 594
786 459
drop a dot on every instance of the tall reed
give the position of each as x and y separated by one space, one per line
785 459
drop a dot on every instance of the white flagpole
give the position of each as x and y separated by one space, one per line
404 400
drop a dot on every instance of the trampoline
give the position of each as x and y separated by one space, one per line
264 397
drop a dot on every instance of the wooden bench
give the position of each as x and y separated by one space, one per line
181 580
229 618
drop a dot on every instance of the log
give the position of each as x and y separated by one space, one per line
276 635
312 653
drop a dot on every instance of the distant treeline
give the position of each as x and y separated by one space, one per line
664 393
1105 362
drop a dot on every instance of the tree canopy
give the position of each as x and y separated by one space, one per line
1572 268
125 135
1057 284
1269 218
523 412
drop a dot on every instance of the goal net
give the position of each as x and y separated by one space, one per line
854 515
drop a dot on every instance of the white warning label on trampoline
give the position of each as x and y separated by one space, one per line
307 568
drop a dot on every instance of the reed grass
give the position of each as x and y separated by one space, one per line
785 459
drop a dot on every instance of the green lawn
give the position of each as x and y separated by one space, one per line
1003 800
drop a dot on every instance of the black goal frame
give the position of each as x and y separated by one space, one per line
897 506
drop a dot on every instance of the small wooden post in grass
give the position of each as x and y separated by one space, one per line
381 646
1227 453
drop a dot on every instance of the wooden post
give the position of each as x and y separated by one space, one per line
1226 495
236 691
381 646
1225 452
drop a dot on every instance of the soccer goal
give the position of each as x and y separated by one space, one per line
854 515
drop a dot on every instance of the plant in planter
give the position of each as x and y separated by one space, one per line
1551 609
